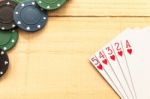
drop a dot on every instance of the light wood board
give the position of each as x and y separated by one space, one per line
53 63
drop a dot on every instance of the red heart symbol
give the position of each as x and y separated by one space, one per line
129 51
105 61
120 53
100 67
112 57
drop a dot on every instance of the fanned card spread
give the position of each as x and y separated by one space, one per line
125 63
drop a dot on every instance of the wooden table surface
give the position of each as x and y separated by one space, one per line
53 63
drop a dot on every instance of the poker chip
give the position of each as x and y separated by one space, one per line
4 62
50 4
29 16
19 1
6 15
8 39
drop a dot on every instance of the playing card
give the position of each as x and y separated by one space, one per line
117 58
108 58
109 69
114 63
136 49
120 57
96 63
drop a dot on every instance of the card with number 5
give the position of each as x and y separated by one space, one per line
96 63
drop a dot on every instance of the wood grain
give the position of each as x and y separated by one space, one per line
104 8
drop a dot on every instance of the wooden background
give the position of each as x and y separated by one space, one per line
53 63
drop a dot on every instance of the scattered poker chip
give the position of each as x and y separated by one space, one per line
50 4
4 62
29 17
6 15
8 39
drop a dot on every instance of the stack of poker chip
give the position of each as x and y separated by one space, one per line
28 15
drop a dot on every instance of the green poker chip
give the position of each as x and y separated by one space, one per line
50 4
19 1
8 39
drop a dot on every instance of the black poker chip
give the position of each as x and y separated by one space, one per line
4 62
6 14
29 17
